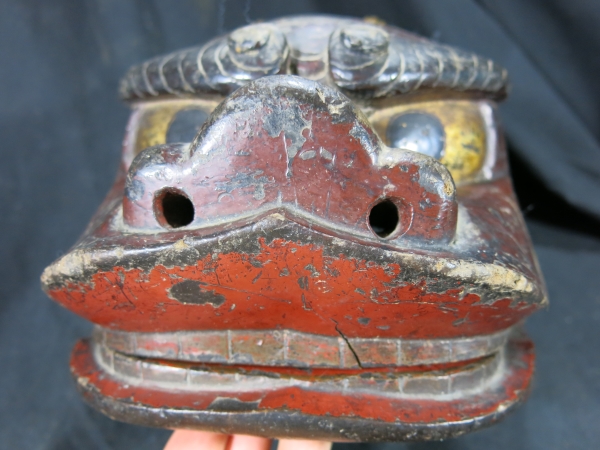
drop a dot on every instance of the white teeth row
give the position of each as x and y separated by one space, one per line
439 385
294 349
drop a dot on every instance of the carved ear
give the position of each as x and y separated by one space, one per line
286 143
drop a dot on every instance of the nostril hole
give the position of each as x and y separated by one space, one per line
384 218
173 209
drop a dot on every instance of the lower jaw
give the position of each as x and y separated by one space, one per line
399 402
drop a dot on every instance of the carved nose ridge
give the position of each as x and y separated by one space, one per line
286 143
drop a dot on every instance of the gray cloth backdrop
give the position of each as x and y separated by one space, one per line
61 126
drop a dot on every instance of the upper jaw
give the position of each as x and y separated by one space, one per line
289 168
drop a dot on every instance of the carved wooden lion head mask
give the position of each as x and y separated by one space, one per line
313 233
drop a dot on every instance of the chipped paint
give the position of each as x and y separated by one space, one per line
432 302
191 292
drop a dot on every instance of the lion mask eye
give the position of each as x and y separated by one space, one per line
168 121
454 132
417 131
185 125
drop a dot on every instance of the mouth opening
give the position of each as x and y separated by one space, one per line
440 369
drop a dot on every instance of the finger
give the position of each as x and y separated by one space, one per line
301 444
243 442
195 440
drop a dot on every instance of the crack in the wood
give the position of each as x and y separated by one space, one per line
348 343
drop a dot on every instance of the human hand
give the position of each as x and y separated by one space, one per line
204 440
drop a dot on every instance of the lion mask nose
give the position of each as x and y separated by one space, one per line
287 143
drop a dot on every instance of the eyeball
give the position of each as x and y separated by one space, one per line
167 122
417 131
454 132
185 125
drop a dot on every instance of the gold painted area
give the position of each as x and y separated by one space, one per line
465 129
155 118
374 20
